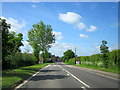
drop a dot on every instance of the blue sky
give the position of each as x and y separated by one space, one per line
76 24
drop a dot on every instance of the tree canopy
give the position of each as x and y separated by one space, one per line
40 37
11 41
104 50
68 55
103 47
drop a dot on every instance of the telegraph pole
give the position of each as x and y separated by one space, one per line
75 55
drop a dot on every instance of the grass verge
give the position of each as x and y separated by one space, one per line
10 78
110 69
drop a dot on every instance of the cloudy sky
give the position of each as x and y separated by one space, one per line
76 24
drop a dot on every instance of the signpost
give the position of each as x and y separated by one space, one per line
77 62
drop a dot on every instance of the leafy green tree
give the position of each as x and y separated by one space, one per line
15 41
5 33
40 37
68 55
104 50
46 56
10 42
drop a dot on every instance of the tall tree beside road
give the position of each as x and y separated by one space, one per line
10 42
68 55
4 27
104 50
46 56
40 37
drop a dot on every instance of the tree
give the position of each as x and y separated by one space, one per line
68 55
40 37
46 56
15 41
10 42
104 50
5 33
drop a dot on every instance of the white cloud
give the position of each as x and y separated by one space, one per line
58 35
75 19
70 17
80 26
83 36
15 25
59 48
34 6
92 29
26 47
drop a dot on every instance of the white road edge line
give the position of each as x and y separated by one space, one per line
98 74
75 77
30 78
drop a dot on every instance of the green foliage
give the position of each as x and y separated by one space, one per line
71 61
68 55
10 43
103 47
19 60
104 50
41 38
4 27
114 57
11 77
46 56
97 61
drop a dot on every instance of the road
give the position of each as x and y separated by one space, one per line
59 75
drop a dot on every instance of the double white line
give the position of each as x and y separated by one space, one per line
75 77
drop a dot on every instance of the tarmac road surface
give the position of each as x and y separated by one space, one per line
59 75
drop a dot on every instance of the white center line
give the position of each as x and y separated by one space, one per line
83 88
75 77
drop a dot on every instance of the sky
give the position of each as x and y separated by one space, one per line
75 24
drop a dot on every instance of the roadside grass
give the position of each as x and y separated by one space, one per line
10 78
110 68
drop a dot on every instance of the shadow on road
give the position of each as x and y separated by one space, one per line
47 77
50 70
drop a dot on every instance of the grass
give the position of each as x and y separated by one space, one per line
110 69
10 78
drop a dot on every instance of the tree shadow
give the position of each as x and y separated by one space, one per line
47 77
31 69
50 70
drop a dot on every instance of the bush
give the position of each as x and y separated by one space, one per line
28 59
71 61
19 60
113 59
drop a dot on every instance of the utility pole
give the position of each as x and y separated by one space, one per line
75 55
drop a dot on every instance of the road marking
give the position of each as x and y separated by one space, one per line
83 88
96 73
105 76
29 78
68 74
75 77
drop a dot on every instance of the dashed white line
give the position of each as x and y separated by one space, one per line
83 88
75 77
68 74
